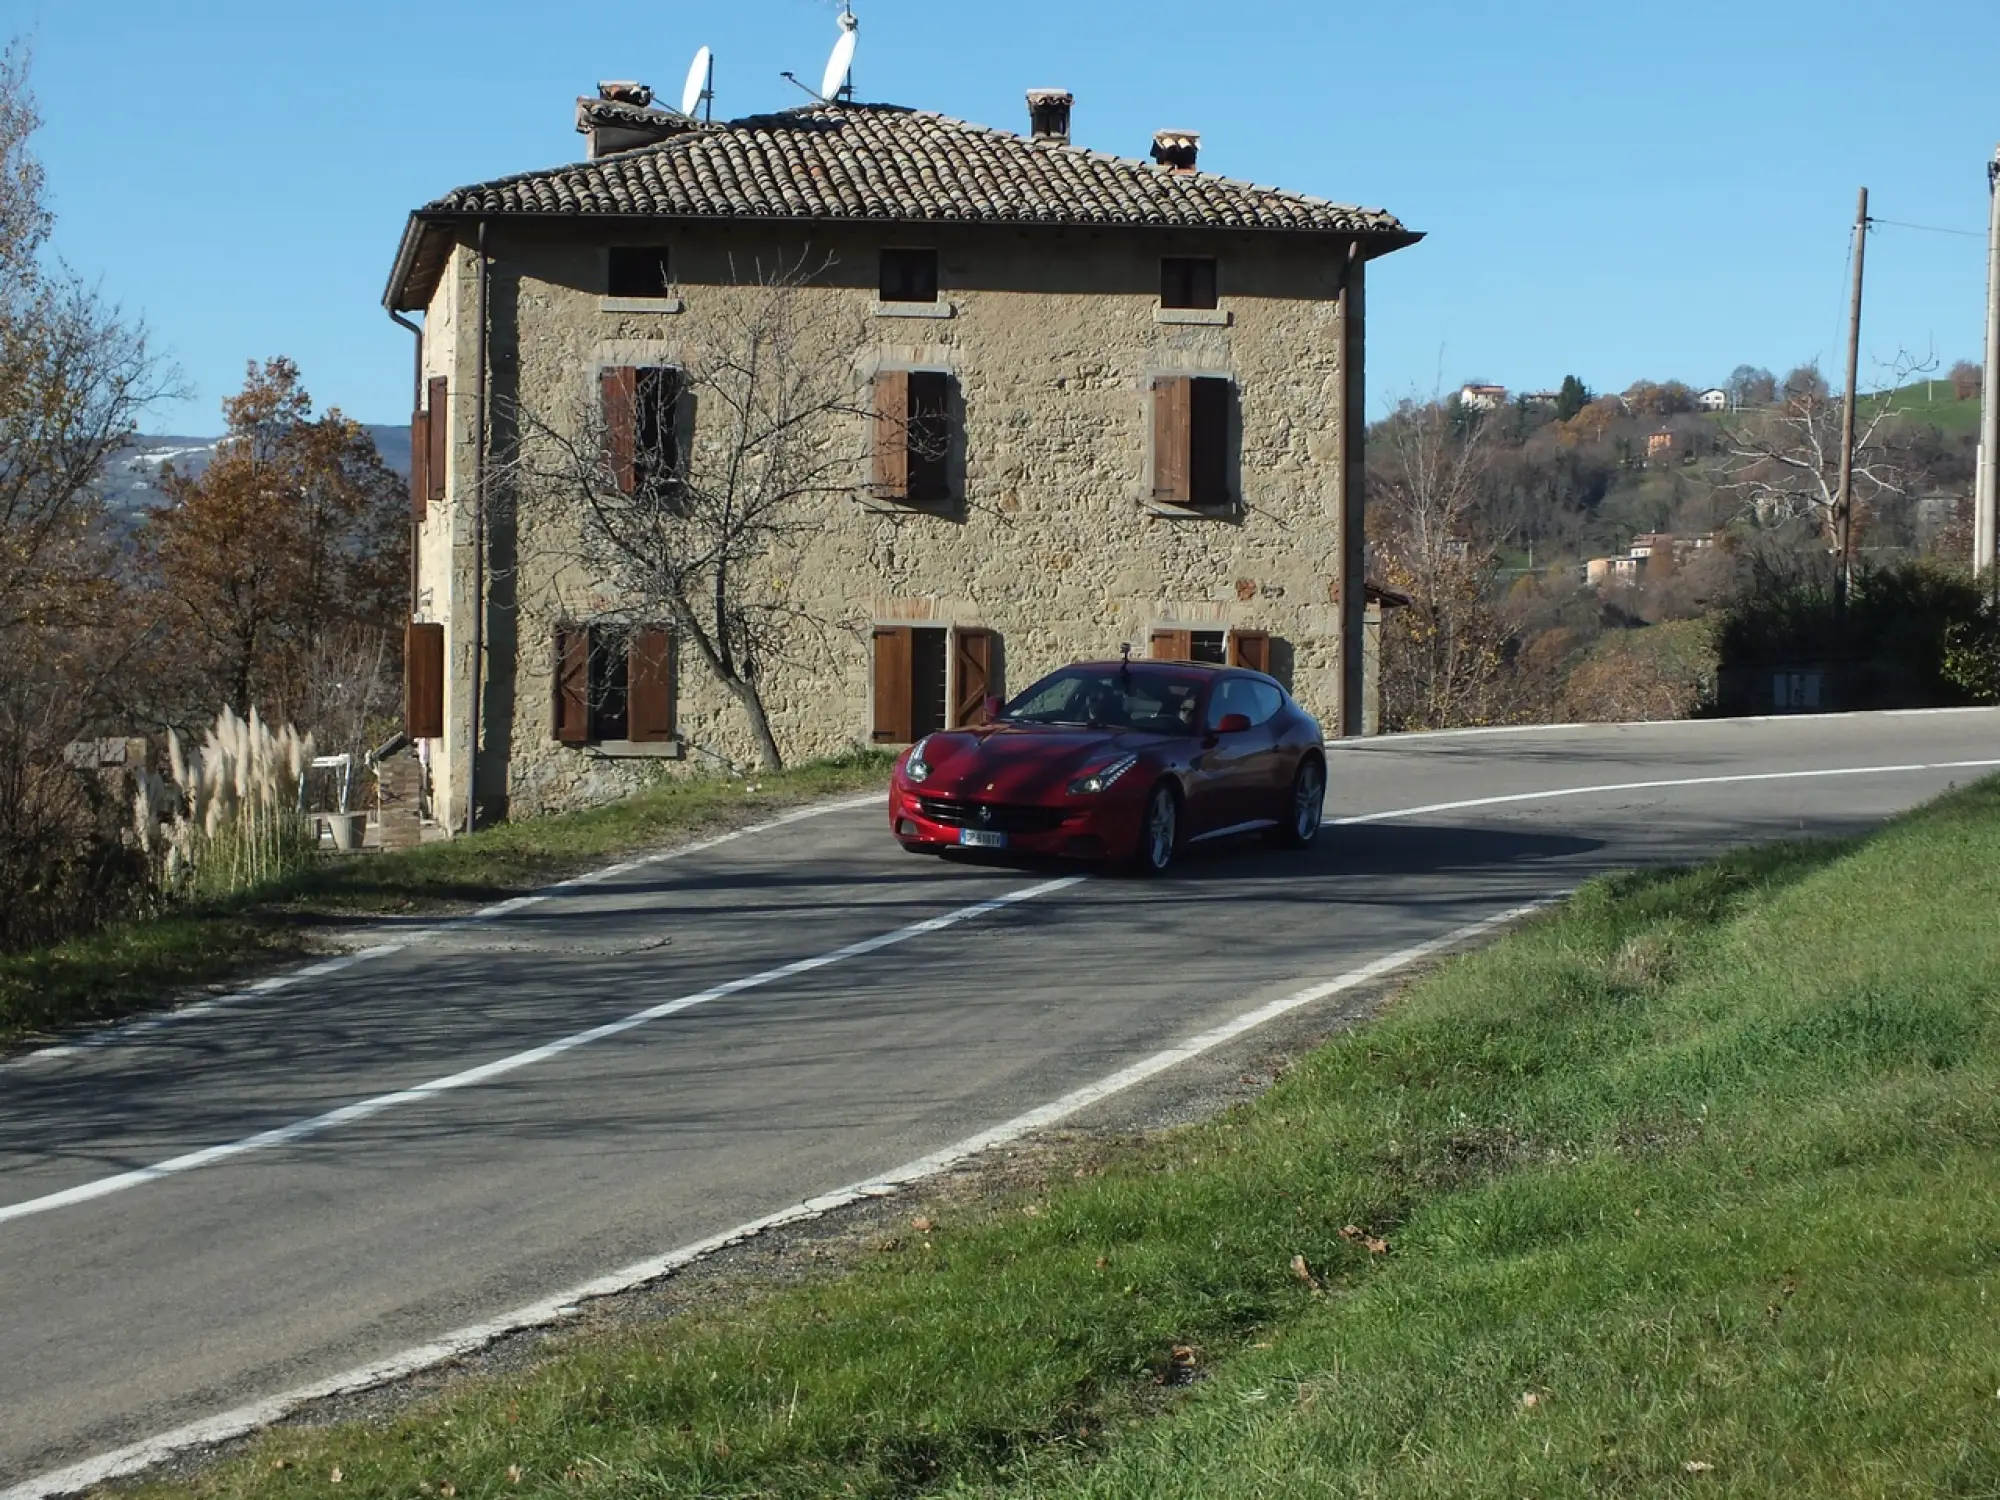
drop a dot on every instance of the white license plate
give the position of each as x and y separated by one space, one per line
979 838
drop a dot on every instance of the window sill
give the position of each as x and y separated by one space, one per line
912 310
1227 510
630 749
889 504
641 304
1208 317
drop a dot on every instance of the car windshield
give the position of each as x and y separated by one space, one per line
1136 698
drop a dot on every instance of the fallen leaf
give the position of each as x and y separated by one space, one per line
447 1489
1376 1247
281 1463
1103 1261
1183 1354
921 1224
1530 1399
1032 1211
1696 1466
334 1477
513 1473
1351 1232
1303 1271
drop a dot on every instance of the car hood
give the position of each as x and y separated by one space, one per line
1025 762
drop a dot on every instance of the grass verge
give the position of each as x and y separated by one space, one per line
1689 1187
131 965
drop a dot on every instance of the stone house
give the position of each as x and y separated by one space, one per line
1149 380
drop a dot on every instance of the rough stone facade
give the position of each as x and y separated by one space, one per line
1053 336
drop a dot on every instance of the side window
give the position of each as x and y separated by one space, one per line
909 276
638 271
1265 701
928 677
614 683
1187 281
1231 696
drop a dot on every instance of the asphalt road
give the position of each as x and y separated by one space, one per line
165 1300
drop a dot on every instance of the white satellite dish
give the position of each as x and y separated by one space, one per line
840 66
700 82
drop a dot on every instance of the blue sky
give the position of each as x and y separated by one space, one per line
1615 190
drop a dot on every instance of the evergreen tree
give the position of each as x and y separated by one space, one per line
1572 398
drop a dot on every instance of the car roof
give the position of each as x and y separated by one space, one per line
1113 664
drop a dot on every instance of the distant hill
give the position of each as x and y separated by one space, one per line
1931 401
131 482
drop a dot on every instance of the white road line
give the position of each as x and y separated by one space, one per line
129 1460
1385 742
363 1109
132 1030
1649 786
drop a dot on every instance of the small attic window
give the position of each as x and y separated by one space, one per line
1187 281
909 276
639 271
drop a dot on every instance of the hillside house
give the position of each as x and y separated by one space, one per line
1482 397
1713 399
1143 382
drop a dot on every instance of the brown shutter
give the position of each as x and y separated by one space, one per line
423 681
891 475
420 465
620 385
437 433
572 697
893 667
650 679
1172 400
930 437
1250 648
1208 442
1173 645
972 654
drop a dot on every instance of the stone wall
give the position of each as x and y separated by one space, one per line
1053 338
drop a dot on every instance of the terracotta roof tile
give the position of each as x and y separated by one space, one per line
875 161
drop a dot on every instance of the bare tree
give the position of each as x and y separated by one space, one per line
678 491
1785 460
1443 656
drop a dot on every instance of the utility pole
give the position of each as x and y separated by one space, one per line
1986 501
1844 505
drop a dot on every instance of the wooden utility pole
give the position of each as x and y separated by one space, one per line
1986 501
1844 504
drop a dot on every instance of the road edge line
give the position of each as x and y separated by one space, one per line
243 1420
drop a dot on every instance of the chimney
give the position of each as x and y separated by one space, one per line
623 116
1176 149
1048 114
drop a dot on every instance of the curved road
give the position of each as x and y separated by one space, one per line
419 1141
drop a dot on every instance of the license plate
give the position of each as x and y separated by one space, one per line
979 838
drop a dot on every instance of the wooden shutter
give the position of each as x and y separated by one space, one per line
420 464
423 681
972 661
891 474
572 696
437 434
1250 648
1172 403
928 461
1208 442
893 669
620 387
1173 645
650 686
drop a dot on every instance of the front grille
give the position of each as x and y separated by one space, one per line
956 812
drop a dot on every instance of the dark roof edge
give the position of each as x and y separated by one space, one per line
1376 242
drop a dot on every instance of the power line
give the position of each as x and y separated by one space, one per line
1927 228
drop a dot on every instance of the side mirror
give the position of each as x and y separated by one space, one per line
1233 724
991 708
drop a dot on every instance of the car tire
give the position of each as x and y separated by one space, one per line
1300 818
1159 832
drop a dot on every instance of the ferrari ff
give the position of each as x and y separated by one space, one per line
1124 761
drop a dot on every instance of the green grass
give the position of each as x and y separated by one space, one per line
1928 402
131 965
1699 1170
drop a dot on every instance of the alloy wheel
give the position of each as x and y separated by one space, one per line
1308 801
1162 827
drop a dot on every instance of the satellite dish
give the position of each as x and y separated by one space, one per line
840 66
700 81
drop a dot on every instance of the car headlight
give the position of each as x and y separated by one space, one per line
916 767
1102 777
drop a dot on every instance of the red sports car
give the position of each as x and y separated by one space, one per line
1118 760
